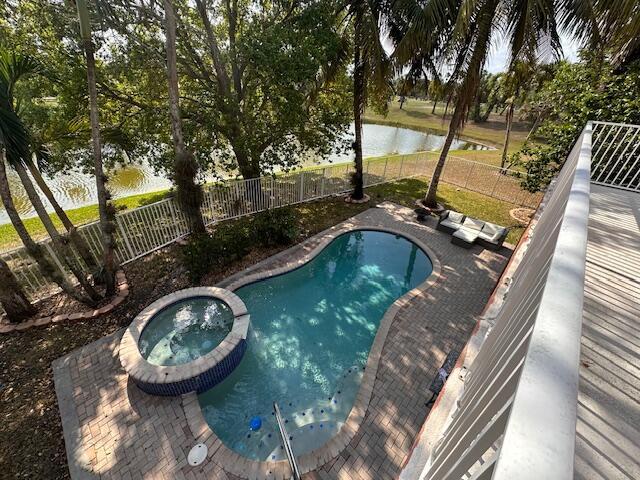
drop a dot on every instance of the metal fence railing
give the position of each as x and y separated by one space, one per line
516 417
143 230
616 155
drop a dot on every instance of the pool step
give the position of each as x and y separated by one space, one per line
308 428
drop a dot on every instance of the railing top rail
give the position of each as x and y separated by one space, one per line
614 124
539 439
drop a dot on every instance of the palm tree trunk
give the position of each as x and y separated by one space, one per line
446 108
48 269
188 192
12 297
106 211
358 106
430 198
60 244
78 240
507 134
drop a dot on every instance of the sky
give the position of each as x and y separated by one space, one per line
497 61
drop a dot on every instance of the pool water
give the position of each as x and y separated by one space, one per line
310 336
185 330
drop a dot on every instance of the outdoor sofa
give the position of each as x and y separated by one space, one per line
465 231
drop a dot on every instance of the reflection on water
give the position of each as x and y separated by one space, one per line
75 189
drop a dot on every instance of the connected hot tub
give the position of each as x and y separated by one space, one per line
187 341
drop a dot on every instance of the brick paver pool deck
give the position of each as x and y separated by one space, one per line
114 430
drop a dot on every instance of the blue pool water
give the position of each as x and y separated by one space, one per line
311 331
185 330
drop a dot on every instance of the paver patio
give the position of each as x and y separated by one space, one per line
114 430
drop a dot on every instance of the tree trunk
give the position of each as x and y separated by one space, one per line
446 108
106 211
12 297
78 240
435 103
59 243
534 127
507 134
48 269
430 198
188 192
358 106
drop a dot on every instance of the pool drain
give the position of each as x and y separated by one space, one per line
197 454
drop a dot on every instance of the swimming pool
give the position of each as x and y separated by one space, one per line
310 336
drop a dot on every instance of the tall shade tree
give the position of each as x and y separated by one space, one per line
371 71
105 209
12 298
185 170
262 84
527 26
13 67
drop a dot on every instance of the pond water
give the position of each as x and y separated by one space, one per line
75 189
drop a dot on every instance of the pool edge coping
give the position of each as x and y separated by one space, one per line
244 467
141 371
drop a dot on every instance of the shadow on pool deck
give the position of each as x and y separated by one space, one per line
114 430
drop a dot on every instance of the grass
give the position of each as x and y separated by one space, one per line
416 114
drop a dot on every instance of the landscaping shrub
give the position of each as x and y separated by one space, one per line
229 242
276 227
233 239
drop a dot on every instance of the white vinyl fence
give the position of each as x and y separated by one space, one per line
143 230
516 418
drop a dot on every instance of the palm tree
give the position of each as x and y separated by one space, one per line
13 67
46 265
12 297
527 26
371 71
15 149
518 77
105 209
188 192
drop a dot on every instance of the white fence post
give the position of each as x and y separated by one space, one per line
302 186
324 174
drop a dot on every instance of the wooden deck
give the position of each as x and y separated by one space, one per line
608 428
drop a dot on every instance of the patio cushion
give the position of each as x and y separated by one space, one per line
448 223
492 232
473 224
467 234
455 217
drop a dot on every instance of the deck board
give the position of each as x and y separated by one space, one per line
608 427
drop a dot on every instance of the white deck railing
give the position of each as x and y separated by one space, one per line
516 418
143 230
616 158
